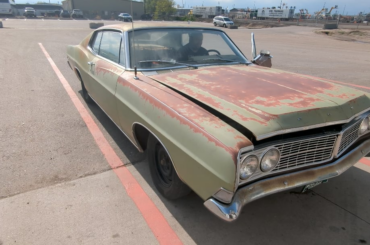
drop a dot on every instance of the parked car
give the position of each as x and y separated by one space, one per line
76 13
146 17
29 12
222 21
125 17
64 14
212 121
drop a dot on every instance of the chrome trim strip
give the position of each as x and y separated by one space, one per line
262 188
286 131
238 162
137 123
345 130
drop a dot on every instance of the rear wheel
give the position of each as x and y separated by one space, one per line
224 25
86 94
163 172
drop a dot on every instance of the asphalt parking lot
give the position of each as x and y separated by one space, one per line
56 184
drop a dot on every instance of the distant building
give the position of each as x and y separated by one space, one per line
182 12
207 12
42 9
266 13
105 9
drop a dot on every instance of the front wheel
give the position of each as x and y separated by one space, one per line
214 23
163 172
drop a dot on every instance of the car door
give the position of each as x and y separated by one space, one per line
105 68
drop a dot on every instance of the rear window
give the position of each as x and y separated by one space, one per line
227 19
4 1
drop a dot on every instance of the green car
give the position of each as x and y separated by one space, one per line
211 121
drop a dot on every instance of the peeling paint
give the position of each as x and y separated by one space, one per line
187 113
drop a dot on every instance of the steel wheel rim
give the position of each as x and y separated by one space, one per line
163 165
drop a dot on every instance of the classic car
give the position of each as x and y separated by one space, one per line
230 129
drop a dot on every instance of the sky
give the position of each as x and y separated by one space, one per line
348 6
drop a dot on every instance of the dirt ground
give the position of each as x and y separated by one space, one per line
351 35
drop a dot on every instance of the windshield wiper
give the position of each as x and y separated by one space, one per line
169 62
227 60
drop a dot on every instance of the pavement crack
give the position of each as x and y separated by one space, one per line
367 222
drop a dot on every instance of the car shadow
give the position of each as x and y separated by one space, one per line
333 213
124 144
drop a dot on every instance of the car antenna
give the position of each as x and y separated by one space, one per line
133 44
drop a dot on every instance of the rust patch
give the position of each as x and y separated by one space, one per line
244 86
103 67
183 110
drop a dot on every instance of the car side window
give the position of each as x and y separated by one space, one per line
110 45
97 41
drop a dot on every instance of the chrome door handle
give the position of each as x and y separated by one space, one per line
91 64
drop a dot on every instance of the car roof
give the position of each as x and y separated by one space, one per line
154 25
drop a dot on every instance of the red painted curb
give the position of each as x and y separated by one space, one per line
365 161
153 217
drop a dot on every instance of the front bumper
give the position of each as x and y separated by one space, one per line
249 193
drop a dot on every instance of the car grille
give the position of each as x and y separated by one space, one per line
305 152
349 136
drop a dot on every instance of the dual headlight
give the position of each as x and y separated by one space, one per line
251 163
365 126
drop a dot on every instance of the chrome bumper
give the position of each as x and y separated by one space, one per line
249 193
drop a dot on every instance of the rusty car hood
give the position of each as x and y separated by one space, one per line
266 100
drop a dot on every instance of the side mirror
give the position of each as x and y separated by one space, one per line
264 58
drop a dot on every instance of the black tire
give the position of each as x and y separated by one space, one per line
86 94
163 172
214 23
224 25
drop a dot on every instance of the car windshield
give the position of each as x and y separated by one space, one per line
161 48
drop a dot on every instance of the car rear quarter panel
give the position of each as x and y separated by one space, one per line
203 148
78 56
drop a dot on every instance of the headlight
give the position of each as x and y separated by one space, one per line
248 167
270 159
364 126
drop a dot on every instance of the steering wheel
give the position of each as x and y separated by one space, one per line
213 50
